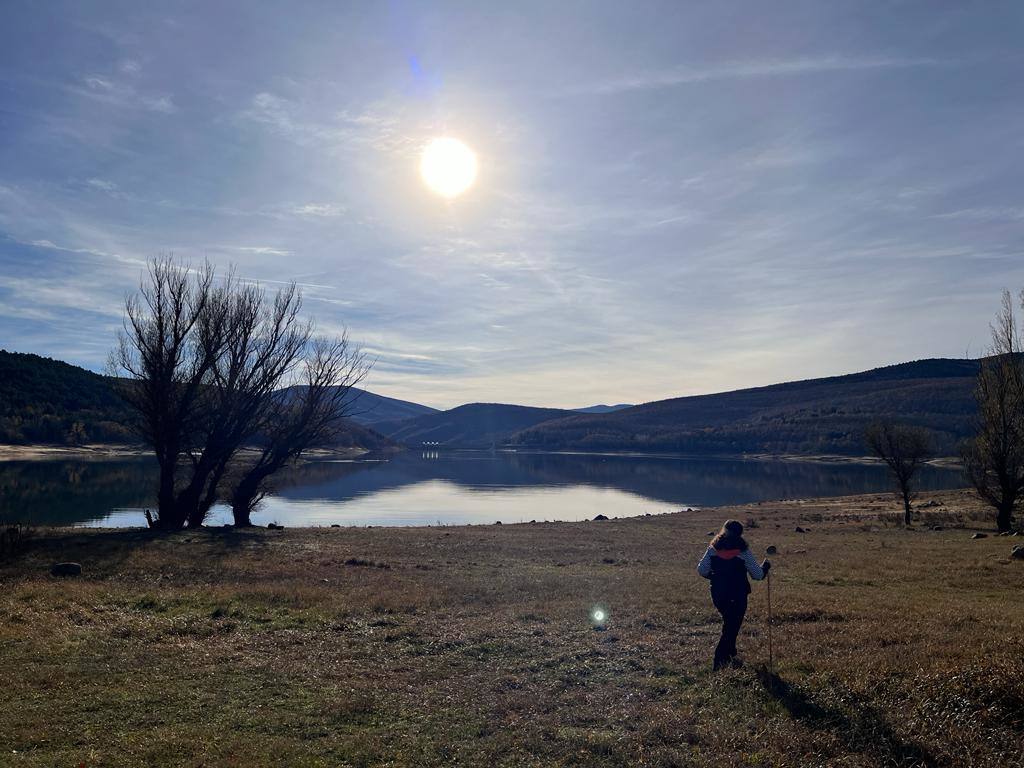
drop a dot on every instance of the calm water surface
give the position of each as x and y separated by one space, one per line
446 488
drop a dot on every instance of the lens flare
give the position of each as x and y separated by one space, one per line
599 615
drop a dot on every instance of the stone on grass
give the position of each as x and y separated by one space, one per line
1017 553
66 569
980 536
772 550
798 529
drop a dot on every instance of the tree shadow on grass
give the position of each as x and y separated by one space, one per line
862 729
106 551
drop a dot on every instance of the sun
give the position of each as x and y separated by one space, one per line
448 167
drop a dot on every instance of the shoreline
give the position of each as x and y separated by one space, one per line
960 503
122 451
10 452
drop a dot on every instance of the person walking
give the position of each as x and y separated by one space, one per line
726 564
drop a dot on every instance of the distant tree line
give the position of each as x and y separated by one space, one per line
213 365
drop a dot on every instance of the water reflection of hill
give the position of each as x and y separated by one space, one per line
668 479
69 492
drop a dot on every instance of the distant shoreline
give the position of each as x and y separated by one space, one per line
115 451
120 451
943 462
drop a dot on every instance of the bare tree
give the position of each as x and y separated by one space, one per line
903 449
201 361
309 415
994 458
174 334
265 341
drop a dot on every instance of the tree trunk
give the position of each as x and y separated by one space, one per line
906 509
1004 517
169 517
242 499
188 503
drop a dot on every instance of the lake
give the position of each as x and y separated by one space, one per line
446 488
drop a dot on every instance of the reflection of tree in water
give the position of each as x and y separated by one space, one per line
67 492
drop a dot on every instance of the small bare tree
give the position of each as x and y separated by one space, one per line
994 457
309 415
903 449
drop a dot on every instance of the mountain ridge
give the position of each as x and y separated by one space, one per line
826 415
473 425
52 402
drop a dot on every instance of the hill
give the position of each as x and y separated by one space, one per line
603 408
477 425
803 417
369 408
47 401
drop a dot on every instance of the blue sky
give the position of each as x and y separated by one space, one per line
673 198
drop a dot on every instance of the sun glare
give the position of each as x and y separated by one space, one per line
448 167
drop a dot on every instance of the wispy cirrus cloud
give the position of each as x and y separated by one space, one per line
306 123
120 93
744 70
259 250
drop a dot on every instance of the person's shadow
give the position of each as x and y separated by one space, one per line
862 729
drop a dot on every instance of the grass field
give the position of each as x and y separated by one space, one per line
473 645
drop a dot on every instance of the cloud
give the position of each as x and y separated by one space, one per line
992 213
301 121
123 95
261 250
103 184
159 104
744 70
319 210
134 261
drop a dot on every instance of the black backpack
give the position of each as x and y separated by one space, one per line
728 578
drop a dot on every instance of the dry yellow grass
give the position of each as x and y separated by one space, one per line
472 646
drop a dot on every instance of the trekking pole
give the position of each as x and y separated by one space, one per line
771 658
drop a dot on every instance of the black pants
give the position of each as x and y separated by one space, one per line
733 608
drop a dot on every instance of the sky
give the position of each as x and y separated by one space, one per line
673 198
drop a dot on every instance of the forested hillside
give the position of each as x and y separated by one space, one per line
49 401
44 401
804 417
